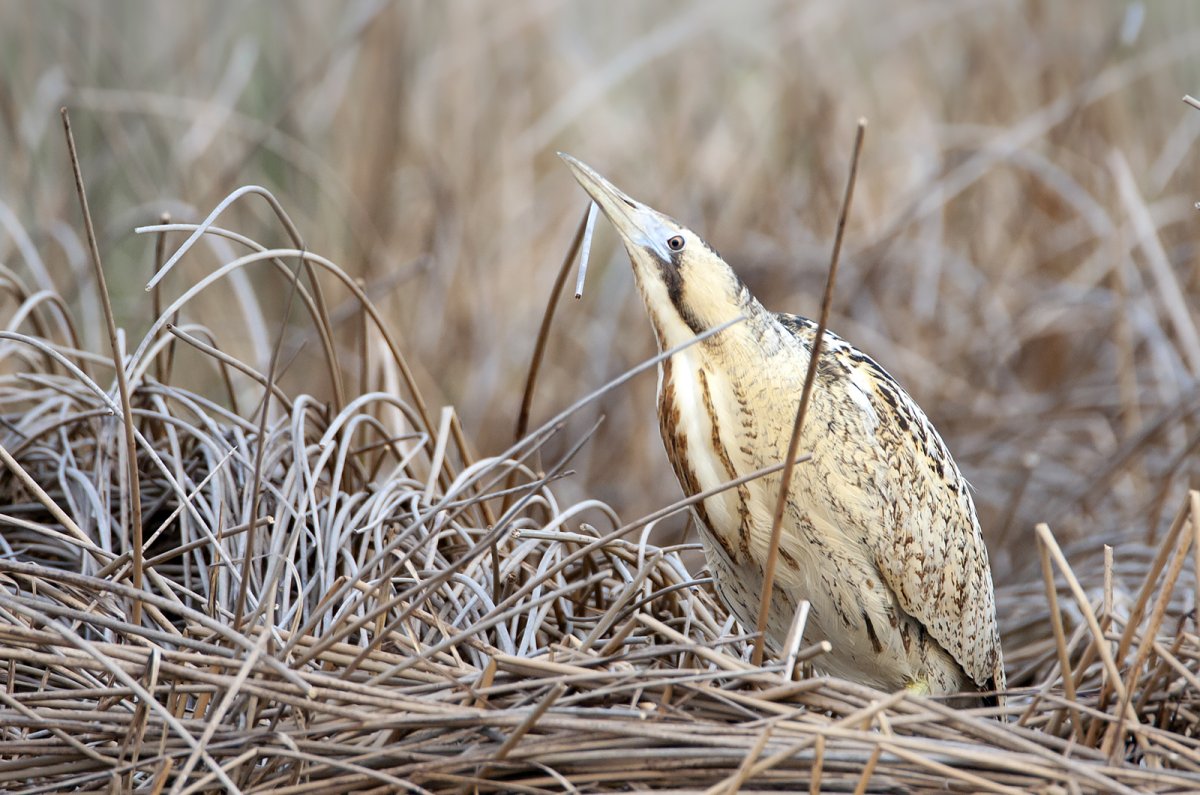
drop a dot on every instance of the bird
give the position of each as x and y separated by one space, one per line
879 534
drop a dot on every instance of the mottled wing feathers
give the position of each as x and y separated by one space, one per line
931 553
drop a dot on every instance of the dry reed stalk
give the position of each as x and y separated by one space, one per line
810 378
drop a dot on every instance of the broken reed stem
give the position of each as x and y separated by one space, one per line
1134 620
1089 615
1060 642
589 226
1157 615
135 493
785 480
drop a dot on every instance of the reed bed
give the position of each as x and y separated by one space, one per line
247 590
1021 256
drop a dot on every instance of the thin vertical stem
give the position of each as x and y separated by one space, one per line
811 376
135 493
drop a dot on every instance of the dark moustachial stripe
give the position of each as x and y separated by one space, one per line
673 280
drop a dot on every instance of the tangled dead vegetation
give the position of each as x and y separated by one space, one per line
337 597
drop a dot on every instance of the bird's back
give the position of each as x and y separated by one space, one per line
929 546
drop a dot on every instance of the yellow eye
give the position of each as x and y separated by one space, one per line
676 243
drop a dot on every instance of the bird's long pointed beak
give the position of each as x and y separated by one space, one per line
637 224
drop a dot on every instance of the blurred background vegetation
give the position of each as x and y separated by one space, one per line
1021 254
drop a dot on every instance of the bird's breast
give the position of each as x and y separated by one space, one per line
714 432
723 417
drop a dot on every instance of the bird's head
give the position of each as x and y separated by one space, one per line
685 284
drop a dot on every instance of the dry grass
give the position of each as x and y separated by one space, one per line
339 599
1021 256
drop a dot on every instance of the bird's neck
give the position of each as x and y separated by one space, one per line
680 317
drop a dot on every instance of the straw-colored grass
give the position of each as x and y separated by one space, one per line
1021 255
340 599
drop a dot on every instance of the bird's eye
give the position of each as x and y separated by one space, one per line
675 243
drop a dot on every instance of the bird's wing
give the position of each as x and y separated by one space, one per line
927 544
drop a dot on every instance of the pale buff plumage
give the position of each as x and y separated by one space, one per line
880 533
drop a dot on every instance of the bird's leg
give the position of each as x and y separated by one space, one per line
918 687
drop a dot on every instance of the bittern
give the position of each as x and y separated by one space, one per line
879 531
